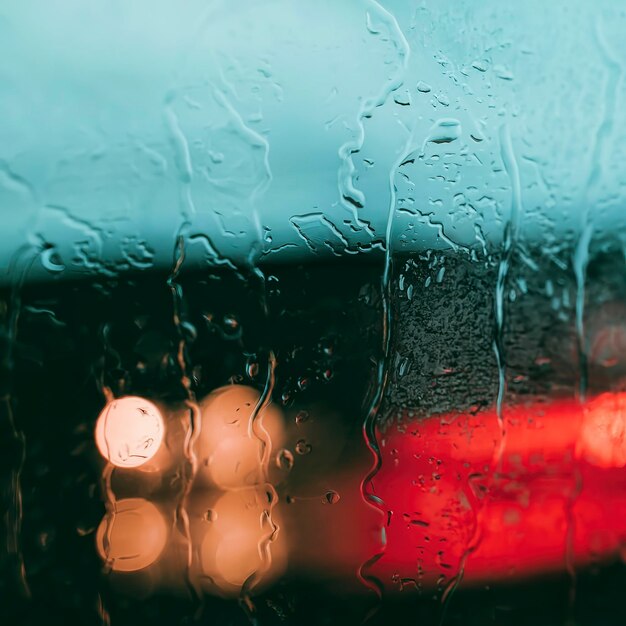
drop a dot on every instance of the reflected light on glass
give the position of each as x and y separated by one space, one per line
234 546
132 537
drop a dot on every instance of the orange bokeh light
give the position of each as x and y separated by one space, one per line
129 431
236 542
133 536
229 453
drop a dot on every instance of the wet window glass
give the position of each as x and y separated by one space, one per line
312 312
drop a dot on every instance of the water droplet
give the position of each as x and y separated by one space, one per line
83 531
328 348
51 260
302 447
331 497
443 99
444 130
284 460
403 99
423 87
481 65
502 72
231 323
302 417
252 368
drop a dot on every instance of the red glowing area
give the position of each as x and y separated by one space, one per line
129 431
133 536
240 541
554 498
230 446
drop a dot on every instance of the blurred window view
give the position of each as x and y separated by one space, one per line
313 313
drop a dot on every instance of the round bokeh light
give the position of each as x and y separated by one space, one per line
129 431
133 537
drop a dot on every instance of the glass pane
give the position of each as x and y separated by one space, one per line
312 313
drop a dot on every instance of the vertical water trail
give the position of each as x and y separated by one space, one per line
19 268
580 261
103 613
382 373
245 269
511 236
191 422
111 512
110 501
256 429
601 137
351 197
14 513
255 423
